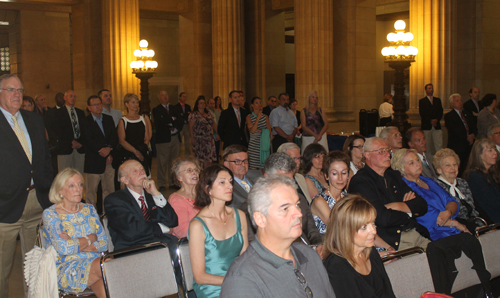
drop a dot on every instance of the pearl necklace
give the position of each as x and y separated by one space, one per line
71 212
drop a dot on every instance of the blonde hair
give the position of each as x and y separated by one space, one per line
128 97
442 154
59 183
346 218
398 159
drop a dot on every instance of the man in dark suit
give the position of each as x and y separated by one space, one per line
271 104
100 135
167 138
183 110
48 119
25 175
474 105
139 213
231 126
461 130
431 113
40 105
68 136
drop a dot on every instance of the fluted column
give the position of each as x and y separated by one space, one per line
227 47
433 25
314 52
120 38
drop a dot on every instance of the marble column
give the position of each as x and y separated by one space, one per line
314 52
433 24
120 32
228 54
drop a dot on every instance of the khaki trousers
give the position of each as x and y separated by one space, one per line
74 160
165 154
26 228
411 239
92 183
186 139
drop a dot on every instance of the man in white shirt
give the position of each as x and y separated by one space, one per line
416 140
283 122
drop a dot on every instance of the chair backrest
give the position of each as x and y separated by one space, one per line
410 276
491 243
104 221
466 277
145 271
185 264
40 240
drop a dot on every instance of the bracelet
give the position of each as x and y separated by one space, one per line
88 240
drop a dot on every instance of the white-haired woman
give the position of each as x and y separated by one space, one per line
74 230
314 123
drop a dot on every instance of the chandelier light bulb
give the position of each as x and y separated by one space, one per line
400 25
143 43
133 64
401 50
137 53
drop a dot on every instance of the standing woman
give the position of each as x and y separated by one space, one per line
260 134
203 130
315 123
218 234
353 147
134 134
488 116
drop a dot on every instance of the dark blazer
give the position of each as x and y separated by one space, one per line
63 130
95 141
163 122
239 194
470 107
457 134
266 110
348 283
390 223
16 171
177 112
127 226
228 129
430 111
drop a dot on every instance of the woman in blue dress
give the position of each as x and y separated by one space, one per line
74 230
218 234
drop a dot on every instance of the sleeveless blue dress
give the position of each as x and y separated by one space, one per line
218 256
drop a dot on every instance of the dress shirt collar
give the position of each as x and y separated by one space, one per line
69 108
136 196
95 118
273 259
8 115
458 112
430 98
281 107
498 147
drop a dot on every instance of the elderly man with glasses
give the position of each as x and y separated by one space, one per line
273 265
397 205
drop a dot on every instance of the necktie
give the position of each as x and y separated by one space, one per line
245 184
239 118
465 122
144 209
22 138
76 129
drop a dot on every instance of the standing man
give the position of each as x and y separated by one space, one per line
48 119
40 105
107 100
431 113
167 138
283 122
271 104
68 134
231 126
25 172
473 106
461 130
183 110
100 135
416 140
273 265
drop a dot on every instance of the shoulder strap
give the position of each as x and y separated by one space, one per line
237 218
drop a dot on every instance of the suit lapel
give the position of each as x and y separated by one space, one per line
134 203
11 135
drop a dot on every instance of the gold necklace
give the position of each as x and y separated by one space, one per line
71 212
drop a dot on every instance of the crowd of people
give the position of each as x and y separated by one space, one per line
278 216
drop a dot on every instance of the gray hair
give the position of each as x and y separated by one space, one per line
8 76
450 99
259 198
368 143
491 128
384 134
287 146
279 162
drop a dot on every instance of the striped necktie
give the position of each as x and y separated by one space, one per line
22 138
144 209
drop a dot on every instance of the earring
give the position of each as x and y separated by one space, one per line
60 195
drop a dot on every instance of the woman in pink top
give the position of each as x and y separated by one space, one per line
185 174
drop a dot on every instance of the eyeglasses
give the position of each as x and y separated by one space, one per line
303 282
382 151
358 147
96 105
497 133
12 90
191 170
239 162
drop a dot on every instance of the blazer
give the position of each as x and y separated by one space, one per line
239 194
178 112
301 181
16 171
457 133
390 223
484 120
95 141
164 122
63 130
229 130
267 110
430 111
426 172
348 283
471 107
127 226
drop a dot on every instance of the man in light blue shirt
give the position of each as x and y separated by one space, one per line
107 100
283 122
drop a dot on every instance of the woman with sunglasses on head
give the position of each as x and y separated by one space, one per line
353 147
313 157
354 267
185 174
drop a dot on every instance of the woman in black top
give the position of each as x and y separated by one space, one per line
354 268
